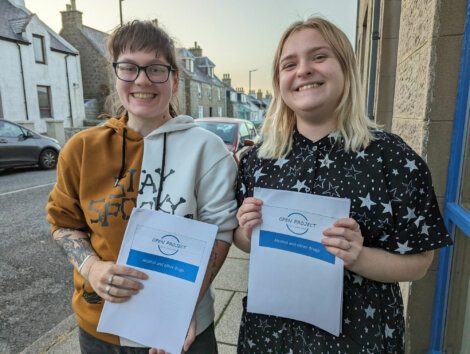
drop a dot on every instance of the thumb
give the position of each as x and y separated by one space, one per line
191 336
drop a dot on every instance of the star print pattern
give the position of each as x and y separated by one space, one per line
382 181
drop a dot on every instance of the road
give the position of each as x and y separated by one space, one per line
35 277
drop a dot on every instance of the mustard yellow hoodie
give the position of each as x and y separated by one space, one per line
104 172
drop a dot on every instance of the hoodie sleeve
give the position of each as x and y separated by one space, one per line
63 207
216 197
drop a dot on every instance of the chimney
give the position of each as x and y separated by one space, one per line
155 22
71 17
196 50
240 89
268 95
252 93
259 95
227 80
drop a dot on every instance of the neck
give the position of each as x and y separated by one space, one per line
146 126
313 130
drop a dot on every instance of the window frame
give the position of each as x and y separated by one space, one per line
49 99
43 48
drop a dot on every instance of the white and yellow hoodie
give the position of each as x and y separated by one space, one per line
105 171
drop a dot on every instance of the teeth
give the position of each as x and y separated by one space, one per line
143 95
314 85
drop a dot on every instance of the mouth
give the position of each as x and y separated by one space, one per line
143 95
310 86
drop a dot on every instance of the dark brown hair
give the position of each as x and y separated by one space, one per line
137 36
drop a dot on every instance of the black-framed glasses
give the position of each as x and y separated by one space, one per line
129 72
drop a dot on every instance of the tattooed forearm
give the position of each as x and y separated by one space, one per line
217 258
76 245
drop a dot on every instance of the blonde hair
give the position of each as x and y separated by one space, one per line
352 123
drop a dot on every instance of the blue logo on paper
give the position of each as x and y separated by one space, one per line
297 223
169 245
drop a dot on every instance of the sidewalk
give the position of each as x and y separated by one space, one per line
230 287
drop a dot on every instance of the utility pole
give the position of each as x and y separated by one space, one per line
120 10
249 80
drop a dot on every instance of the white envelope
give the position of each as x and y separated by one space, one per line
173 251
292 275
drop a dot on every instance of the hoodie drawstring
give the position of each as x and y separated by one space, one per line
162 174
123 159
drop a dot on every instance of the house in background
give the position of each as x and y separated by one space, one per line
204 93
97 73
40 76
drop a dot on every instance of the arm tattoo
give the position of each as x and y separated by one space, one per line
76 245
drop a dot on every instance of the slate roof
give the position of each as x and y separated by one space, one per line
97 39
198 74
13 23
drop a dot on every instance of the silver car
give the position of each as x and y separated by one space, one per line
21 147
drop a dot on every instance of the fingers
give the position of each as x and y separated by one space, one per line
115 283
157 351
249 214
348 223
191 335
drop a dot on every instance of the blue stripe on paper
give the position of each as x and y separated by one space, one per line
163 265
294 244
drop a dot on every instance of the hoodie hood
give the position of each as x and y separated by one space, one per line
177 123
181 122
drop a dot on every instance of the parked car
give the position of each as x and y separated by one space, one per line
237 134
20 146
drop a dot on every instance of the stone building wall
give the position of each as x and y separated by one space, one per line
426 63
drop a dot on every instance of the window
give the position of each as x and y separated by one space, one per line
209 92
219 111
200 111
210 71
210 111
1 107
199 90
8 130
233 96
39 52
44 99
219 97
189 64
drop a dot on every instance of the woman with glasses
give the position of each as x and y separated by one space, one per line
146 157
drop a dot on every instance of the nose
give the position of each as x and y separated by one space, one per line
304 68
142 79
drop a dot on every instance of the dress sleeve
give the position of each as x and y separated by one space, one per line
418 225
244 187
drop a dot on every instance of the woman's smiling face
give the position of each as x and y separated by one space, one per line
311 81
143 99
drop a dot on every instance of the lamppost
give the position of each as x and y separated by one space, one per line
120 10
249 79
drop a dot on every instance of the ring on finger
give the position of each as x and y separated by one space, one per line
110 279
107 289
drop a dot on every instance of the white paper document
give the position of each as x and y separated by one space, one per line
292 275
173 251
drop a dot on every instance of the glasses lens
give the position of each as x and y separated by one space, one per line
127 71
158 73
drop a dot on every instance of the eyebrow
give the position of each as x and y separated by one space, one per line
311 50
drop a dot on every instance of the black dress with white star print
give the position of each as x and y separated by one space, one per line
393 201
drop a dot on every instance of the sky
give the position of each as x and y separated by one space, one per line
237 35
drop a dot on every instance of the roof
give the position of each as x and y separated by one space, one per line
15 19
198 74
97 39
204 62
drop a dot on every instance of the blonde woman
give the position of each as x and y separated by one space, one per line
317 139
